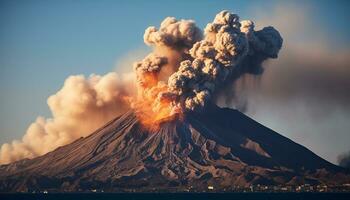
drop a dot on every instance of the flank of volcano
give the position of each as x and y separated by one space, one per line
222 147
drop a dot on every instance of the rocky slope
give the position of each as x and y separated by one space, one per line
221 147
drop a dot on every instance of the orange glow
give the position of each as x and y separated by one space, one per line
147 80
151 108
151 120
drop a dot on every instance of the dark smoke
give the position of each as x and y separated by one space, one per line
344 160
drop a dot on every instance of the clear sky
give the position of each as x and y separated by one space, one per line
43 42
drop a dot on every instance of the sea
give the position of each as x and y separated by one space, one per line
171 196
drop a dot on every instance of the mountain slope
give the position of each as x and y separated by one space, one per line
220 147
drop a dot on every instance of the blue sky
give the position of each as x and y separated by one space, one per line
43 42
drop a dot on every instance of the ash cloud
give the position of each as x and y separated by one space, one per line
228 49
321 78
312 66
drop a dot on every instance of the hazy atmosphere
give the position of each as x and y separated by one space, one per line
50 48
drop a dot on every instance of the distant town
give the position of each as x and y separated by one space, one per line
253 188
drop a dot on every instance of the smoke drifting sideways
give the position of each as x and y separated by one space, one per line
185 71
80 107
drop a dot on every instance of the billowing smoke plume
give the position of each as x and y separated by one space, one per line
79 108
171 45
229 49
183 74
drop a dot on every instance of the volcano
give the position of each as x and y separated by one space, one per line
220 147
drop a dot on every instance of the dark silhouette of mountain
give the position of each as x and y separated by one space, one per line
219 147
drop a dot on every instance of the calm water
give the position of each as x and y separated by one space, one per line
170 196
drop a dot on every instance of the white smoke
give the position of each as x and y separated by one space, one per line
80 107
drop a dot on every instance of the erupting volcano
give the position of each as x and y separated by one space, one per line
172 135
